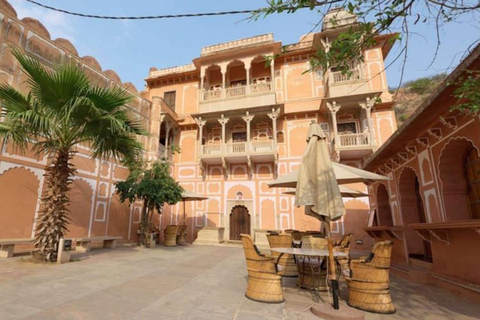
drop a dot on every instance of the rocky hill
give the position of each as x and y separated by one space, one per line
411 94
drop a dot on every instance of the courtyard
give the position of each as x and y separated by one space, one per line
191 282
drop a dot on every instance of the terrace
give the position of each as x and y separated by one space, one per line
192 282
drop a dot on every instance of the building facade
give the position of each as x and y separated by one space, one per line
229 123
430 208
242 122
94 209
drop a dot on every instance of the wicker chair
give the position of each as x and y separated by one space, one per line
368 286
287 261
171 236
344 246
297 235
182 232
264 281
312 273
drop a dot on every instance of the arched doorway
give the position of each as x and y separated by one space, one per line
460 175
239 222
384 210
413 212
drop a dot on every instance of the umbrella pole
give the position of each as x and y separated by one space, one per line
331 264
184 214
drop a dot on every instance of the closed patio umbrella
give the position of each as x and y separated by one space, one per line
343 173
346 192
190 196
318 191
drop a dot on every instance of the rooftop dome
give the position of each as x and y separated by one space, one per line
337 18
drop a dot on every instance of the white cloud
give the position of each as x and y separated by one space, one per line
57 24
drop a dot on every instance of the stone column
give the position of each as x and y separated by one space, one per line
274 116
367 106
333 107
223 121
168 126
272 72
247 63
200 124
223 69
202 78
247 118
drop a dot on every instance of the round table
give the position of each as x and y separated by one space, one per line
318 253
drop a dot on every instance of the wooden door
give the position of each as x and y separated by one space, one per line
239 222
472 172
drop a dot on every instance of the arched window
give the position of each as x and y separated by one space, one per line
411 204
383 204
459 173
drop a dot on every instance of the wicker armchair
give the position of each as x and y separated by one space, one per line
287 261
312 273
181 233
297 235
344 246
368 286
171 236
264 281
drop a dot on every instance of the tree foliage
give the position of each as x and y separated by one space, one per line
375 17
152 184
61 110
468 92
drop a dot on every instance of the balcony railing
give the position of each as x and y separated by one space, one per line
254 147
353 140
261 87
211 149
262 146
237 147
350 76
234 92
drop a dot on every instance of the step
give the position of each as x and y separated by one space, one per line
411 273
420 263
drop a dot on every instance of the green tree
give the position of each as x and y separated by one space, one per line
374 19
61 110
152 184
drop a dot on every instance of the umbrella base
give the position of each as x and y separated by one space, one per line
327 312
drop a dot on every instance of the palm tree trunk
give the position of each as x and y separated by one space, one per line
53 216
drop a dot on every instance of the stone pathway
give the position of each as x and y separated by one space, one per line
193 282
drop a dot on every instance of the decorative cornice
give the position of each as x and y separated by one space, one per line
261 39
423 141
450 122
435 132
173 70
411 149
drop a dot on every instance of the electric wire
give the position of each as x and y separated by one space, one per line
167 16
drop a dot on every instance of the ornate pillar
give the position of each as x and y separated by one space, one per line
247 118
367 106
274 116
272 72
202 78
247 63
223 69
168 126
200 124
223 121
333 107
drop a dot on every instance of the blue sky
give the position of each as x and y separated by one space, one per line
132 47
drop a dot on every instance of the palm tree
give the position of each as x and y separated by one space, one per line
63 109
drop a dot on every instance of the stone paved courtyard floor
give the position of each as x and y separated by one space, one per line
193 282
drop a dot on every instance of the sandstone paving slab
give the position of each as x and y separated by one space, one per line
16 311
192 282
